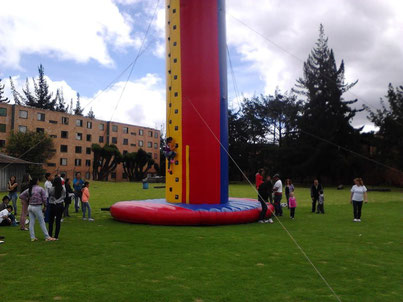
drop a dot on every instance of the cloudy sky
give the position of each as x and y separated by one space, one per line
85 45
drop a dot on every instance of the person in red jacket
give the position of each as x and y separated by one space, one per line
259 178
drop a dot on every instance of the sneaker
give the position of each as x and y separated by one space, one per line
84 218
358 220
355 220
50 239
270 220
34 239
261 221
24 229
26 221
90 219
61 220
1 242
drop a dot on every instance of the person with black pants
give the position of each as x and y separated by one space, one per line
264 194
57 194
358 196
67 199
315 191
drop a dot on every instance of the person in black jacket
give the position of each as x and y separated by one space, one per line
315 192
67 199
265 191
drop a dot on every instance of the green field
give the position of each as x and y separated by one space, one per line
106 260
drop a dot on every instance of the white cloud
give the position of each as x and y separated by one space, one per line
66 29
142 103
366 34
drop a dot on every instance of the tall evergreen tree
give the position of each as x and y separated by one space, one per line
18 98
42 97
78 110
60 102
3 99
326 115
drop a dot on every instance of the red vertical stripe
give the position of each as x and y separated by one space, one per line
201 86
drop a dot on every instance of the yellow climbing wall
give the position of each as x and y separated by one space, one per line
174 99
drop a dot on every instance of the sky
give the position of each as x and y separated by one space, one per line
86 46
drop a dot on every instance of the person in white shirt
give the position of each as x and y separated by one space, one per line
47 186
6 218
278 194
358 196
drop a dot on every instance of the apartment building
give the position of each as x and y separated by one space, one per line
73 136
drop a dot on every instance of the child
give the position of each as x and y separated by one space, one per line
6 218
292 203
85 200
321 201
5 202
169 152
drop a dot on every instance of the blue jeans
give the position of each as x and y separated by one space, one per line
277 205
77 199
13 197
85 206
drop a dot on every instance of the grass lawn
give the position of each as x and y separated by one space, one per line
106 260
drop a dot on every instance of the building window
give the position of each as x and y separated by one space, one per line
124 175
78 149
89 125
79 123
156 134
87 175
2 127
150 133
141 143
114 140
88 150
113 175
63 161
40 130
65 120
22 129
3 111
53 136
149 144
155 155
125 141
40 117
133 145
23 114
64 134
155 146
114 128
101 126
51 164
141 132
88 163
101 139
2 143
133 133
79 136
125 130
77 162
89 137
52 122
63 148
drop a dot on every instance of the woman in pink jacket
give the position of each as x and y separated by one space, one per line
85 201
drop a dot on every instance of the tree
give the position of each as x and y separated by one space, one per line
36 147
389 119
3 99
60 102
18 98
91 114
78 110
137 164
105 161
42 97
325 114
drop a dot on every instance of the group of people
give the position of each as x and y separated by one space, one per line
272 191
46 204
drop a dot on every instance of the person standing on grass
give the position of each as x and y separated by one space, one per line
67 199
259 178
26 178
85 201
289 187
321 203
292 203
358 196
78 184
48 185
315 189
12 188
278 194
36 197
57 194
265 190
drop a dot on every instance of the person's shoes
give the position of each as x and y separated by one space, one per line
358 220
61 220
261 221
56 239
270 220
50 239
26 221
24 229
34 239
355 220
1 242
84 218
90 219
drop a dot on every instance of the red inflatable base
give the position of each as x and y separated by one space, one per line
160 212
